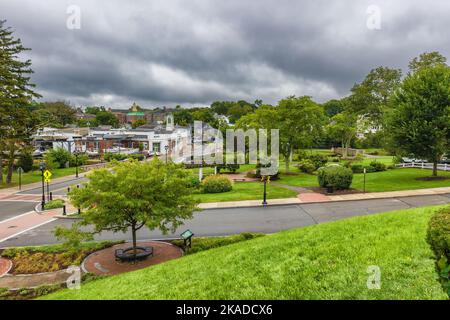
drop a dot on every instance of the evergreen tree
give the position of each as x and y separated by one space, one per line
16 93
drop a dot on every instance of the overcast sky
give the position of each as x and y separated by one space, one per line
188 52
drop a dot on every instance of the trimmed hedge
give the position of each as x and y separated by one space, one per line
216 184
438 236
338 177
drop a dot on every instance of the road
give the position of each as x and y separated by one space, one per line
219 222
11 209
59 188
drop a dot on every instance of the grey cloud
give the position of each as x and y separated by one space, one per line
194 52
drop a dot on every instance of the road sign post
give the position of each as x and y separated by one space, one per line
47 175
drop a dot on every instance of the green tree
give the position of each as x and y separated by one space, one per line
300 121
134 195
343 128
17 123
370 98
333 107
426 60
138 123
62 112
183 117
106 118
419 123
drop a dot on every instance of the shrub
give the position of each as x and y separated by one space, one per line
229 167
306 166
202 244
60 157
216 184
438 236
81 161
114 156
54 204
335 176
26 162
378 166
258 172
137 156
194 182
318 160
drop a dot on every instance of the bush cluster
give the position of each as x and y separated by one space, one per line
306 166
216 184
438 236
373 167
108 157
338 177
60 158
312 162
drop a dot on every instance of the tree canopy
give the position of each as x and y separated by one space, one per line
419 123
136 194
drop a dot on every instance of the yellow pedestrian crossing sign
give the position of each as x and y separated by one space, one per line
47 176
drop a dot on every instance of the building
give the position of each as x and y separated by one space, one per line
147 138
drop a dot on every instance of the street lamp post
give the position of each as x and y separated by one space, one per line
265 179
167 149
42 167
76 164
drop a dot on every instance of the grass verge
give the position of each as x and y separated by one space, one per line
326 261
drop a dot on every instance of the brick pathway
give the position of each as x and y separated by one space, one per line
5 266
103 262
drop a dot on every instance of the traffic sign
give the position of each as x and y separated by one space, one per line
47 175
19 170
47 180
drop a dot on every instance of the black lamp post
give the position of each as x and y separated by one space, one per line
265 178
76 164
42 168
166 148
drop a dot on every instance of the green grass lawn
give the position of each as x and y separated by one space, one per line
391 180
247 191
35 176
387 160
326 261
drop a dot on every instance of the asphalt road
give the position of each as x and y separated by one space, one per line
219 222
59 188
10 209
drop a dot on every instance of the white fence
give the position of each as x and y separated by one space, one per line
423 165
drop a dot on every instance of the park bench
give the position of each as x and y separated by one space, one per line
128 253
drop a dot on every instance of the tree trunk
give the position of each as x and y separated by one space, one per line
286 163
10 171
1 167
133 231
10 163
435 169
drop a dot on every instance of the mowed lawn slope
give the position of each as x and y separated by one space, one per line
327 261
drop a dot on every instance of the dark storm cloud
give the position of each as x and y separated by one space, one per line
194 52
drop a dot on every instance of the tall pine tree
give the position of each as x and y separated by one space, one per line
17 124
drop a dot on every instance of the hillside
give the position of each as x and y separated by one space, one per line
327 261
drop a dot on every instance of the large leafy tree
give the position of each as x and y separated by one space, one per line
133 195
17 123
419 123
343 128
300 121
62 112
426 60
370 98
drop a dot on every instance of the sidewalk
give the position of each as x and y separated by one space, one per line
320 198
